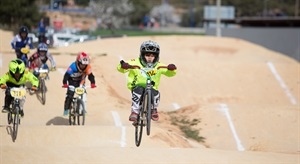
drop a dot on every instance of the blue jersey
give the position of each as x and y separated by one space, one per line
74 72
18 43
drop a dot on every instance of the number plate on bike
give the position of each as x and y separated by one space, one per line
18 92
43 75
25 50
79 91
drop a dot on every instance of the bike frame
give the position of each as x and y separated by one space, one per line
147 105
75 113
13 116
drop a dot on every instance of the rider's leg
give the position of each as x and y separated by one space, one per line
68 101
156 95
136 98
7 100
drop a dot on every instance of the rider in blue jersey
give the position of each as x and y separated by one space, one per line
20 41
75 76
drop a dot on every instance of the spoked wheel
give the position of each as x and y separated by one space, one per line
43 91
16 121
147 105
72 117
80 112
139 125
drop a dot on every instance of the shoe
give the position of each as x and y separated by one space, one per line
154 115
5 110
133 116
22 113
66 112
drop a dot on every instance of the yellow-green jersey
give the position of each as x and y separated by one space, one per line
136 78
27 76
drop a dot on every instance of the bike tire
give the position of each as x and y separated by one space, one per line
80 111
43 91
72 118
148 101
16 121
139 125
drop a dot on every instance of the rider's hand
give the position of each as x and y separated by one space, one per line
65 86
171 67
125 65
3 86
34 88
93 86
53 69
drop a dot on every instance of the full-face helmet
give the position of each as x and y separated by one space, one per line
149 47
42 49
82 61
17 69
23 29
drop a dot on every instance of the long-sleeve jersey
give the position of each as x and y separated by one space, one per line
136 78
74 76
27 76
18 43
36 61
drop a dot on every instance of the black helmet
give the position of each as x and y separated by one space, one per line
23 29
149 47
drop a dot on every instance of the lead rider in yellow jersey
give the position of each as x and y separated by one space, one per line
148 59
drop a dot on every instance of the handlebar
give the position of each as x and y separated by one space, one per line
138 67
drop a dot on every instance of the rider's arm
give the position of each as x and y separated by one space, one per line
66 78
12 43
33 80
4 78
91 77
50 57
120 69
167 72
30 43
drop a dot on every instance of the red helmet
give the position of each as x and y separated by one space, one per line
83 58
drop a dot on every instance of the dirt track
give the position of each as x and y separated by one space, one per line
246 114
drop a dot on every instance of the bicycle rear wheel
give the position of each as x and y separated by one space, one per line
16 121
139 125
43 91
80 111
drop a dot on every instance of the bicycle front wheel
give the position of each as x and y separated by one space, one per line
43 91
16 121
139 125
72 117
148 106
80 111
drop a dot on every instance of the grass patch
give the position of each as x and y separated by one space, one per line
138 33
187 126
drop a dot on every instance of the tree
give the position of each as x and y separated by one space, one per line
18 12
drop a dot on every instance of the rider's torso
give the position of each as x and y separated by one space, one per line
19 43
75 74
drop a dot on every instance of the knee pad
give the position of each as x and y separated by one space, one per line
138 90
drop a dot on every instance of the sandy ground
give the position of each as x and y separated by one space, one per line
243 98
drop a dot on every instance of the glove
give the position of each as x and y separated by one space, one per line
93 86
171 67
3 86
125 65
53 69
65 86
34 88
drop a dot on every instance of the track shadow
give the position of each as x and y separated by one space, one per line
58 121
10 132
